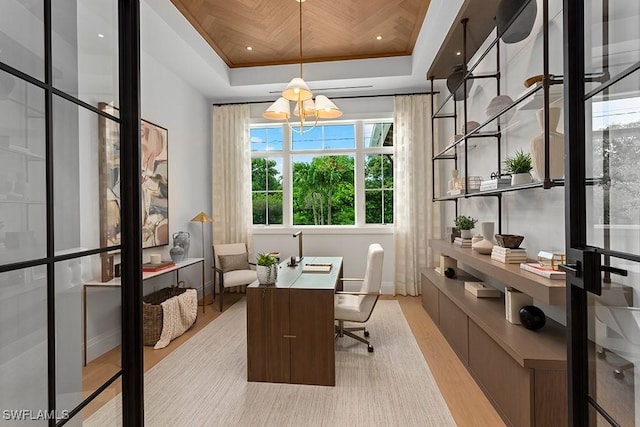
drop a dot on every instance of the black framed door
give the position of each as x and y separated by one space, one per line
58 60
602 139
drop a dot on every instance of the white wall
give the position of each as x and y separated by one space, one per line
537 214
168 101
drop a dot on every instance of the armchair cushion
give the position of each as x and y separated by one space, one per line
233 262
239 277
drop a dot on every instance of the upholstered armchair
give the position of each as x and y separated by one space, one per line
232 267
358 306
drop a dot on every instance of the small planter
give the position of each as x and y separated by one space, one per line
465 234
520 178
267 275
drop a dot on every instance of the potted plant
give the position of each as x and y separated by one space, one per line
267 269
465 224
519 167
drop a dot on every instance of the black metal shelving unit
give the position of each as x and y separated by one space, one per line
539 92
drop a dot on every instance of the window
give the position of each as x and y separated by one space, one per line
333 174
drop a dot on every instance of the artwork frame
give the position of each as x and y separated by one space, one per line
154 179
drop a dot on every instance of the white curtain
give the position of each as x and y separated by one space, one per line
416 218
231 180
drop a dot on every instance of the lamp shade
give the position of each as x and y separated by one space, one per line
296 90
201 217
308 108
279 110
325 109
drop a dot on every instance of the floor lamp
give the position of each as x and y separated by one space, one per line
202 218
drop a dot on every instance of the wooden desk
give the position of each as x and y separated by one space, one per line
115 283
290 326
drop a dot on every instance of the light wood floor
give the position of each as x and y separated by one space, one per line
467 403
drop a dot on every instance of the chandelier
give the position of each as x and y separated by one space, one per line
305 108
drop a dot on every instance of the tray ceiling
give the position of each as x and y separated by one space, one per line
332 29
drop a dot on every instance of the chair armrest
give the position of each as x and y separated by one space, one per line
357 293
217 270
351 280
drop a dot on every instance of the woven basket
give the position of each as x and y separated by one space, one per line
152 312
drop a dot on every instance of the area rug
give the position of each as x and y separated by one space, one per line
203 383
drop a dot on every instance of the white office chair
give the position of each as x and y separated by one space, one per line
358 306
231 263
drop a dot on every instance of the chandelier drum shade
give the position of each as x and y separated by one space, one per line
305 108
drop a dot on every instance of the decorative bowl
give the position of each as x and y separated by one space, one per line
498 104
511 241
533 80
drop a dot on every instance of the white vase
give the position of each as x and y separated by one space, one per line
520 178
267 275
486 244
556 147
465 234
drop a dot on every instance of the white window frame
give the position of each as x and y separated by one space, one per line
359 153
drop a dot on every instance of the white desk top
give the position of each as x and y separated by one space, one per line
149 274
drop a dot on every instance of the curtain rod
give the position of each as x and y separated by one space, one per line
336 97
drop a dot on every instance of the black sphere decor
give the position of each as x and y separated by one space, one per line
449 272
532 317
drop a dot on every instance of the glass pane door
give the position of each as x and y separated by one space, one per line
612 147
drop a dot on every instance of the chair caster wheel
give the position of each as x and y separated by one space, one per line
366 333
370 348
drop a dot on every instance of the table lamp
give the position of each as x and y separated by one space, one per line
202 218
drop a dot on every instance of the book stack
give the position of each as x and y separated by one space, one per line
494 184
463 243
509 256
536 268
514 300
150 267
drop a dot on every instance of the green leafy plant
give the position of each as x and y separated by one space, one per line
266 260
463 222
519 163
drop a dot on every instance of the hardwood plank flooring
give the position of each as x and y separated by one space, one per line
467 403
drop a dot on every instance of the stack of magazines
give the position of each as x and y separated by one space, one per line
536 268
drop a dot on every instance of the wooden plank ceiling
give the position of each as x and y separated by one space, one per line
332 29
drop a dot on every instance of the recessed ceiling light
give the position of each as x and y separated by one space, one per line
101 35
458 53
379 37
249 48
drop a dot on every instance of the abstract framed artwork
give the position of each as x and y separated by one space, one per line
155 185
154 182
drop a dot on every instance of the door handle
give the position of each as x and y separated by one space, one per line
614 270
570 268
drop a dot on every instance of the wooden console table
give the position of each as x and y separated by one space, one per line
522 372
290 326
115 283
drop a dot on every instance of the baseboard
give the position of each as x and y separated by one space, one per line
99 345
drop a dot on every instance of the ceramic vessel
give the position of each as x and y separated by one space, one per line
471 126
177 254
498 104
520 178
465 234
182 239
486 244
556 147
513 26
454 80
267 275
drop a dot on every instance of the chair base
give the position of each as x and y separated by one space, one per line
341 331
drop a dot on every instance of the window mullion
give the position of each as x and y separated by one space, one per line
287 178
359 176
